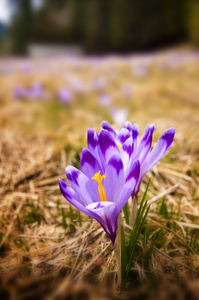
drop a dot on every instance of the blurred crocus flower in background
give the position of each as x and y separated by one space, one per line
127 91
37 92
20 93
64 96
119 116
77 86
99 84
103 186
26 67
140 70
104 100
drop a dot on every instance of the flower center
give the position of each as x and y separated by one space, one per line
119 146
101 190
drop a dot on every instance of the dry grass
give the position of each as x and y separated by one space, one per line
46 246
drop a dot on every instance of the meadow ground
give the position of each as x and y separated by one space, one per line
48 249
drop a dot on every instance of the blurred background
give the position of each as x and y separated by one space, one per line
98 26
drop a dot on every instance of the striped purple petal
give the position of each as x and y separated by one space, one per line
129 185
135 136
107 147
82 185
104 213
126 151
89 165
123 135
89 210
134 130
92 140
114 178
70 195
145 145
160 149
128 125
107 126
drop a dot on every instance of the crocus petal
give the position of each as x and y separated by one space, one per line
128 125
100 208
114 178
107 147
158 151
89 165
82 185
68 192
71 196
129 185
107 126
123 135
135 136
73 199
134 130
104 213
126 151
92 140
145 145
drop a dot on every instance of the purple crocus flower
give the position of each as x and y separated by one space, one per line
64 96
37 91
127 91
26 68
77 86
103 186
20 93
141 149
104 100
99 84
119 116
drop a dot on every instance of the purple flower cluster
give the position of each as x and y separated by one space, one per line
111 171
35 92
64 96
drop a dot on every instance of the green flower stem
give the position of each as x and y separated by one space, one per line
117 250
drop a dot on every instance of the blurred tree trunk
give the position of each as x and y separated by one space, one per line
120 29
193 22
142 25
96 26
76 10
21 26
